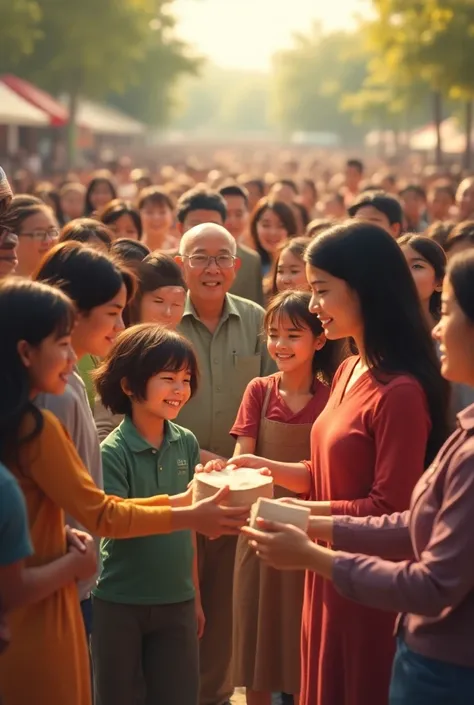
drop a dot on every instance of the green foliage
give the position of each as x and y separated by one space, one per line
93 48
18 29
310 79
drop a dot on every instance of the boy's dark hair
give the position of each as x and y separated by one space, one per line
200 198
381 201
462 232
154 196
355 164
288 182
137 355
235 190
414 188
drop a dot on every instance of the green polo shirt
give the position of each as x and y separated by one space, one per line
154 569
229 359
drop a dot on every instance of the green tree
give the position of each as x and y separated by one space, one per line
310 79
18 30
427 40
91 48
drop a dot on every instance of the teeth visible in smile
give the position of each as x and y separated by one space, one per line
283 357
172 403
211 283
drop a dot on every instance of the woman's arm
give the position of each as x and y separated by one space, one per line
67 483
386 536
293 476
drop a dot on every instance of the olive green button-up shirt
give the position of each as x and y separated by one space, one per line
228 359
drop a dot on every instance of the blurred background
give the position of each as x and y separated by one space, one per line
84 83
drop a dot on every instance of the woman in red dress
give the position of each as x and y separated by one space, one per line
385 419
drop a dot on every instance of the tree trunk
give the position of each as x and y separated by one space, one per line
468 116
438 118
72 128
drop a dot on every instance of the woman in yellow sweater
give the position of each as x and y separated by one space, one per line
48 660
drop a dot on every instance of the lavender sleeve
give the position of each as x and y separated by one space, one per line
386 536
444 573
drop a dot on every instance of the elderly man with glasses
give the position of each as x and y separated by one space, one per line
226 332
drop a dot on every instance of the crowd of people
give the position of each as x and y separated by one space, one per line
318 330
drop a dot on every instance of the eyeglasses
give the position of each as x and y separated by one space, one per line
203 261
42 235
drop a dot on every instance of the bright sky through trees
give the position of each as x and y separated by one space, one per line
244 34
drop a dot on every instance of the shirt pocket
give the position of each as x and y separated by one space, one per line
245 369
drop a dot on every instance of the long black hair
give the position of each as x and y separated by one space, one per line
28 311
461 278
435 256
397 339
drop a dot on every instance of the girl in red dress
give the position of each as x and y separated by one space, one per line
385 420
274 420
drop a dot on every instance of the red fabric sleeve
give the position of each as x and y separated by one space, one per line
401 426
247 422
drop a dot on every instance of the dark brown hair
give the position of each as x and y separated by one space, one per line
86 230
295 305
154 196
461 278
297 246
462 232
116 209
439 231
155 271
99 178
285 215
434 254
6 194
137 355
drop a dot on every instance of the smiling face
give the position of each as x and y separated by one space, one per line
166 394
291 272
96 330
336 305
164 305
292 347
72 203
209 282
36 235
423 274
270 231
49 364
455 333
157 219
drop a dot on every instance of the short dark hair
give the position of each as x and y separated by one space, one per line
138 354
444 187
90 278
439 231
129 251
155 271
235 190
295 305
258 183
435 256
461 277
356 164
382 202
154 196
415 189
116 209
289 183
318 225
462 232
397 339
21 208
201 198
86 230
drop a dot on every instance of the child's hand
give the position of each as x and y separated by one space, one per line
248 461
212 519
216 464
84 561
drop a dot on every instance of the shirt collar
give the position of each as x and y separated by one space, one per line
138 444
230 309
466 418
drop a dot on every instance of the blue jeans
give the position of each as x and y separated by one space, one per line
418 680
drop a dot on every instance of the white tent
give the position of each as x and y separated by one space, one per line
107 121
14 110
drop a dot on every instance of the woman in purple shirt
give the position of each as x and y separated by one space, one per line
419 562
